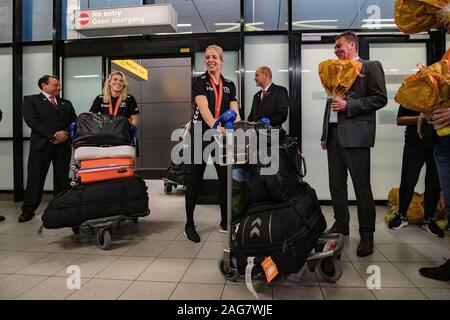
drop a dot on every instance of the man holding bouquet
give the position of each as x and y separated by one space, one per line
348 134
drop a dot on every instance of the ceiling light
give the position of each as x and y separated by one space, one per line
313 24
234 26
87 76
379 26
168 33
378 20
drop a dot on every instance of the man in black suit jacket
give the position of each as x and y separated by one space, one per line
271 101
49 118
348 134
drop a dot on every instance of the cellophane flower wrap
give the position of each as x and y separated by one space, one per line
427 90
337 76
413 16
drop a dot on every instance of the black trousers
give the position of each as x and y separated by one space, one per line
356 161
194 183
414 157
38 164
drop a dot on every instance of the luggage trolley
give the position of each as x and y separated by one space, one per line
327 252
101 227
177 173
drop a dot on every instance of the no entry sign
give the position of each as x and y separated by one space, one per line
84 18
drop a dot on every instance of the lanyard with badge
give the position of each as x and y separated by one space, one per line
116 107
218 96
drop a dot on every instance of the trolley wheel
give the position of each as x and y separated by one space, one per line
73 167
76 230
135 219
104 239
331 269
233 274
167 188
73 183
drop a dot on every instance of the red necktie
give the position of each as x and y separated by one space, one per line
263 94
52 100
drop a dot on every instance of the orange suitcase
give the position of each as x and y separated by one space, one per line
105 169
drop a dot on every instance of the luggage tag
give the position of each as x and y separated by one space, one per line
270 269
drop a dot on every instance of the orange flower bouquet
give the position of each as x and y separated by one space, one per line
412 16
337 76
427 90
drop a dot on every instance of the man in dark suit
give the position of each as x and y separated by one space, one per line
348 134
271 101
49 118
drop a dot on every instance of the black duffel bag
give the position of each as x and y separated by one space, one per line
72 207
287 231
286 181
94 129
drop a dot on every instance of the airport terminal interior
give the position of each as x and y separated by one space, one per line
149 258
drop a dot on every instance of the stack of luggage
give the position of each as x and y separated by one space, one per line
104 183
282 217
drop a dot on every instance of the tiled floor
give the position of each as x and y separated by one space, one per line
152 260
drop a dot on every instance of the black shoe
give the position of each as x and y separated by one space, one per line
398 222
335 229
26 216
365 248
191 234
438 273
2 218
431 226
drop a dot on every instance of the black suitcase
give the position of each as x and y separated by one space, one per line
95 129
178 173
72 207
287 232
284 183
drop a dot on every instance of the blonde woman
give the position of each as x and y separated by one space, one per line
115 99
213 96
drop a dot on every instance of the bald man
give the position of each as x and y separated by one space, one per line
271 101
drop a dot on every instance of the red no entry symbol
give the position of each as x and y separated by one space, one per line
84 18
